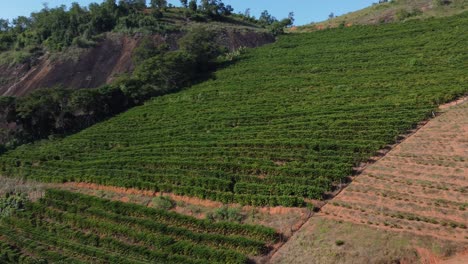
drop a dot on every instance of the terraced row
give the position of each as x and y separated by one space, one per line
66 226
419 187
281 126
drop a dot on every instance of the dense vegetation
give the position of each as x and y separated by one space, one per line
285 123
57 28
54 29
12 202
74 228
59 111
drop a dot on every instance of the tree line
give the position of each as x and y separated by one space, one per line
59 27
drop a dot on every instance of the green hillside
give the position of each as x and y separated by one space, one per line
73 228
393 11
282 125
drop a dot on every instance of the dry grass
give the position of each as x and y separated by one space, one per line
324 241
13 185
385 13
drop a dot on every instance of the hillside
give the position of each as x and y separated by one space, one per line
409 204
228 169
282 126
392 11
99 60
103 63
128 51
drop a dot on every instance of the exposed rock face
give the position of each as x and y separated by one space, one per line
99 65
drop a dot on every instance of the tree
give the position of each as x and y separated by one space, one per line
331 15
247 13
277 27
184 3
215 8
77 17
199 43
131 6
166 72
104 17
209 7
193 5
158 4
227 10
291 17
441 2
4 24
147 49
204 4
21 23
266 18
43 112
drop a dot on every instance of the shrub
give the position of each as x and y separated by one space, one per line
12 202
163 202
234 55
441 2
339 242
83 42
226 214
198 42
403 14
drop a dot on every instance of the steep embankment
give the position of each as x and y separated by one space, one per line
282 125
77 68
393 11
92 67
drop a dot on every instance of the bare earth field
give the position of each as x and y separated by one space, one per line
410 206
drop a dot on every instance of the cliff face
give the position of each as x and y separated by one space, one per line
95 66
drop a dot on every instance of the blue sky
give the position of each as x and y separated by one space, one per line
305 11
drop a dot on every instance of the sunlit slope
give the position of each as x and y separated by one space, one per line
393 11
283 124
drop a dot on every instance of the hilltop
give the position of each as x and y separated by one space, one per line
86 47
392 11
